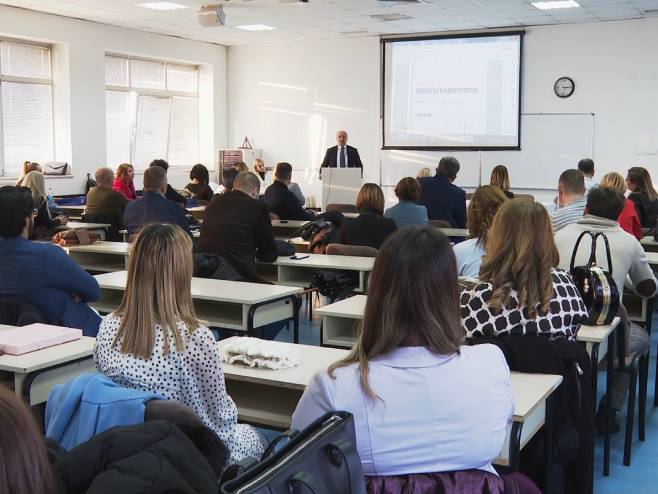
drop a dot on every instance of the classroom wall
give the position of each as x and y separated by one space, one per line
79 49
614 66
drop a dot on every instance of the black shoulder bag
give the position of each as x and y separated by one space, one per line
596 286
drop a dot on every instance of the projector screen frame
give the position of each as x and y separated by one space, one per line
384 40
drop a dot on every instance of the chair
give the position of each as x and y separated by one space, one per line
112 233
351 250
19 312
440 224
343 208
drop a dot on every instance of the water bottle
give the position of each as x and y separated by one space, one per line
49 198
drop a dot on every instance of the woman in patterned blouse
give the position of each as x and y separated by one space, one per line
520 290
154 341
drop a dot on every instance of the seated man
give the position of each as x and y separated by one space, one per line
629 261
228 177
586 167
443 199
102 200
281 200
571 199
171 193
153 207
237 226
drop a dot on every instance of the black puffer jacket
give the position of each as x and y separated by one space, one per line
149 458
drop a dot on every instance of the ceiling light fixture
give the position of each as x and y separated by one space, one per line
161 6
256 27
559 4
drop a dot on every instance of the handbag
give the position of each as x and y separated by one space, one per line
75 237
596 285
321 459
56 168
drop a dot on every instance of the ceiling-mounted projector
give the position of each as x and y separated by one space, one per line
211 15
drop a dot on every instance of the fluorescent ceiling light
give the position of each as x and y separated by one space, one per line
161 5
256 27
559 4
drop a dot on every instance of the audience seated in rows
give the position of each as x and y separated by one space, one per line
281 200
644 195
628 220
443 199
406 212
171 193
370 228
500 179
43 221
27 168
586 167
408 359
42 273
124 181
571 199
199 187
481 211
237 226
154 341
154 207
521 289
102 200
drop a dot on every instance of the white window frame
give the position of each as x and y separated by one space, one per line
27 80
157 93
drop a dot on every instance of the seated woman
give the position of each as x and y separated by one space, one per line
643 195
628 220
500 178
198 187
408 359
521 291
260 172
481 211
154 341
42 273
27 168
43 221
124 181
407 212
370 228
424 172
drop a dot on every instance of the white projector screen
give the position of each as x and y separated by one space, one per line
452 92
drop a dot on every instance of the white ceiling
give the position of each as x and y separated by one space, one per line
322 19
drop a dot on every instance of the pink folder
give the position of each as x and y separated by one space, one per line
26 339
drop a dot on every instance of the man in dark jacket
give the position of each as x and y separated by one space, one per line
281 201
170 193
443 199
237 226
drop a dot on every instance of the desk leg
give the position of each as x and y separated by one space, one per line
19 382
295 302
594 368
515 446
548 442
612 349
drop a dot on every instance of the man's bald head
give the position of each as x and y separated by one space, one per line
248 183
104 177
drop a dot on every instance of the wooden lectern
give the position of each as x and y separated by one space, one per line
340 185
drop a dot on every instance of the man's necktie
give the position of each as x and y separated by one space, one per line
342 157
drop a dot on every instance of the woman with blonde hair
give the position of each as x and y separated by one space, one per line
500 178
520 281
424 172
124 181
36 182
370 228
643 195
27 168
628 220
422 401
481 211
154 341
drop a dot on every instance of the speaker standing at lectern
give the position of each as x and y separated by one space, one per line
342 155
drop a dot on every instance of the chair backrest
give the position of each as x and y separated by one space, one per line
274 216
440 223
525 196
351 250
19 312
112 233
343 208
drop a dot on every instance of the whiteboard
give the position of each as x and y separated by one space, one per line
397 164
550 144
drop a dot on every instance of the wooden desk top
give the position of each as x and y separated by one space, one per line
236 292
455 232
73 225
596 334
652 258
288 223
103 247
323 261
531 390
648 241
72 208
47 357
196 208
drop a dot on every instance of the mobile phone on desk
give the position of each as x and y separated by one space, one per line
299 258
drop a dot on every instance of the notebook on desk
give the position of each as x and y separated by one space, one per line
33 337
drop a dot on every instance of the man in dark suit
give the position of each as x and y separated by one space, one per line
281 200
342 155
443 199
154 207
237 226
170 193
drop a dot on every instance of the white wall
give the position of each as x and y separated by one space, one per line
79 79
614 66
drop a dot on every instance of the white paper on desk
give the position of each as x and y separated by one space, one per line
34 337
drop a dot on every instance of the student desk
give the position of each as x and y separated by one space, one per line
351 215
103 257
227 304
196 233
79 225
74 212
286 228
269 397
300 272
455 232
300 245
197 212
649 244
35 373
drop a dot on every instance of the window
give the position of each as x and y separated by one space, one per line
152 111
26 106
